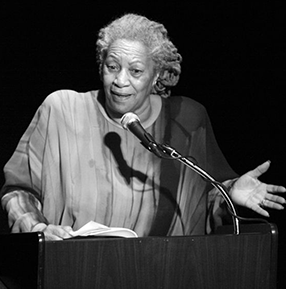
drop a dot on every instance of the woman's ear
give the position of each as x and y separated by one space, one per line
156 78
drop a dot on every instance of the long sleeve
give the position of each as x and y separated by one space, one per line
189 130
22 190
24 211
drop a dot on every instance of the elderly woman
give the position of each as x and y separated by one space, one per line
75 162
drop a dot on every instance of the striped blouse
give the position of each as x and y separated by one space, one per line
74 164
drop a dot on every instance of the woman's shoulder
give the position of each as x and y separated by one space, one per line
68 96
186 110
186 102
67 100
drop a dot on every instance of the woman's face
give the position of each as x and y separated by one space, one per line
128 77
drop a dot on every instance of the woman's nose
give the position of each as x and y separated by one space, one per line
122 78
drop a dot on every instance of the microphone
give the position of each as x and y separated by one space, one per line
130 121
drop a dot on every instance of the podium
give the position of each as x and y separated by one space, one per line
222 260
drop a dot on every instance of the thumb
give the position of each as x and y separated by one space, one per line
261 169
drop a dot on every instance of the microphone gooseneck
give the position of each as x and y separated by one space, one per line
131 122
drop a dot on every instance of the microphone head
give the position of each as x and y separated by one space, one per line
128 118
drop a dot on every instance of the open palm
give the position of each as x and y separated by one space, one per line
250 192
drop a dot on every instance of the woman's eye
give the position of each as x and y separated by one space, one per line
112 67
136 72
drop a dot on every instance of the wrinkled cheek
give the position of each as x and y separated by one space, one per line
148 90
107 78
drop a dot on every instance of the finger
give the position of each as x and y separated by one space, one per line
272 205
57 231
51 237
62 233
68 228
275 189
275 199
259 210
261 169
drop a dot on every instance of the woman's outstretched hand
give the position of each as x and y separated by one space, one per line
250 192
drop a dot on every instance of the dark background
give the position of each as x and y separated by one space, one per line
233 63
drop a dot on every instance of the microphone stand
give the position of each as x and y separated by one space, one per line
166 149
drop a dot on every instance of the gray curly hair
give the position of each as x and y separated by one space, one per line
155 37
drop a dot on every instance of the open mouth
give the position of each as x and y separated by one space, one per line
120 95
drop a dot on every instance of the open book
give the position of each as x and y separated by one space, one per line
95 229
